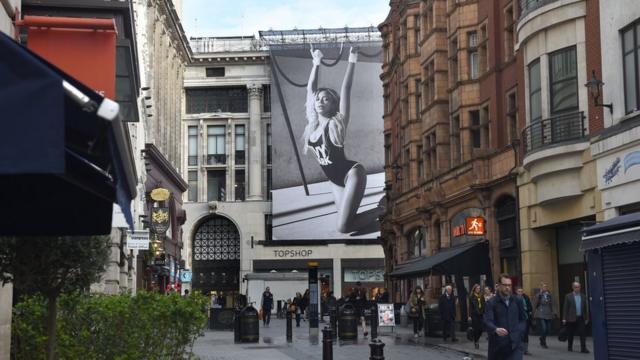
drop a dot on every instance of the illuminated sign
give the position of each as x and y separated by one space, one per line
475 225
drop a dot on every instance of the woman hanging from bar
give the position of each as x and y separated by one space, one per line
328 118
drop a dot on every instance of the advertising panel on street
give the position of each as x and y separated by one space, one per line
386 315
328 146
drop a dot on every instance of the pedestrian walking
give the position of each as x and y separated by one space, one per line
575 316
297 307
488 294
266 304
544 313
475 309
505 322
447 306
382 297
360 302
528 312
305 305
417 310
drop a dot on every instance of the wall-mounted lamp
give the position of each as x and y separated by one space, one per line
595 87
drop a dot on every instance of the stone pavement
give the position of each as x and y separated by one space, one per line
399 345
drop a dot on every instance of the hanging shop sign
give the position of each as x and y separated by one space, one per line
467 225
138 240
160 220
160 194
363 275
185 276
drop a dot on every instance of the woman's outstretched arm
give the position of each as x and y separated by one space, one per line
312 85
345 91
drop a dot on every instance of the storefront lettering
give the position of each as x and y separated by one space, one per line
353 275
292 253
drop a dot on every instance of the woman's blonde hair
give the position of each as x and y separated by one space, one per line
336 124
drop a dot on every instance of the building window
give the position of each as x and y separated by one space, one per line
268 227
407 169
453 60
215 72
418 98
431 87
266 98
415 242
240 143
455 141
193 185
474 118
512 116
269 149
240 185
535 99
416 34
221 99
631 57
431 154
506 220
563 76
509 27
420 161
473 65
269 183
473 39
482 50
216 185
387 149
216 144
193 145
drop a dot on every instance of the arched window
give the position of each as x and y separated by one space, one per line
416 241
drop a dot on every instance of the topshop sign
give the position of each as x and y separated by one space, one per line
364 275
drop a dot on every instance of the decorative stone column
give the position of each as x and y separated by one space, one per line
255 142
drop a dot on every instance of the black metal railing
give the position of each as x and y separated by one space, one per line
527 6
554 130
215 159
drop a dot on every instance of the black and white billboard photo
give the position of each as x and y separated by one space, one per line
328 170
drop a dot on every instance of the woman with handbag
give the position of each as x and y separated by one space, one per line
417 309
475 309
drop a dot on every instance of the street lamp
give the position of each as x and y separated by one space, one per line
594 85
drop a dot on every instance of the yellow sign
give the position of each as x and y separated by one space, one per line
312 264
160 194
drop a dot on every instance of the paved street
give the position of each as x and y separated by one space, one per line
218 345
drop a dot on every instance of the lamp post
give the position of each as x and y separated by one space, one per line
594 85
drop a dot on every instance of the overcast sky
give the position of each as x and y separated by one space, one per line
247 17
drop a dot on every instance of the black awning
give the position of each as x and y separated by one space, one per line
64 153
619 230
468 259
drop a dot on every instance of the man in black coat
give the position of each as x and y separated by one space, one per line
267 306
505 322
447 307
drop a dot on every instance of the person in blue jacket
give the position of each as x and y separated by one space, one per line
505 322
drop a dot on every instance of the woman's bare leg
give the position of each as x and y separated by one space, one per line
348 199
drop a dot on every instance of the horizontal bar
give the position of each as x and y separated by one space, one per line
67 23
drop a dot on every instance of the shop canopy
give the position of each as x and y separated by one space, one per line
619 230
468 259
64 155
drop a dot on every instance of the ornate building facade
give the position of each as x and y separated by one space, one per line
450 104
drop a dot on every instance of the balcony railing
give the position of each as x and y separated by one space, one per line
554 130
527 6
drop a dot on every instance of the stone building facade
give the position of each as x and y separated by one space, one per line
449 131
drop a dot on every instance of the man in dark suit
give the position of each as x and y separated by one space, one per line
447 306
575 315
505 322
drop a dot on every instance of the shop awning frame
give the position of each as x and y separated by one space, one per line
468 259
619 230
65 156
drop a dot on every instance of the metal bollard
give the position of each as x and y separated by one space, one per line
289 327
327 344
377 352
236 326
333 321
374 321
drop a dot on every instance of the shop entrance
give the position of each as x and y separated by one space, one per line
216 261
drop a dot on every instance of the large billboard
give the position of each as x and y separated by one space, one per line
328 146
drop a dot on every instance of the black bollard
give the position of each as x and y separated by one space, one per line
377 352
289 327
333 322
374 321
327 344
236 326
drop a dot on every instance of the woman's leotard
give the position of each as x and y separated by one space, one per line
331 158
